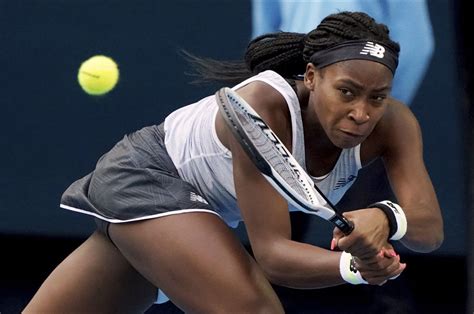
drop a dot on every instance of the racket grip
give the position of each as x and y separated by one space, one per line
346 226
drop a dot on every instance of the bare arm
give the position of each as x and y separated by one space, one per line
403 159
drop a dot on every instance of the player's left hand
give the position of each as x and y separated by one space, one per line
369 236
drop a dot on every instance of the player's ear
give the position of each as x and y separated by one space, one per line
309 76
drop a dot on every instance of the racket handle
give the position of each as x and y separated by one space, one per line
346 226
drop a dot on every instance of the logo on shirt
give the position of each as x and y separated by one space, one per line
197 198
374 50
344 181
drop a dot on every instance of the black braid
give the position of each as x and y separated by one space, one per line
280 52
288 53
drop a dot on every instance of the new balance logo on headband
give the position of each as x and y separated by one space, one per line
357 50
375 50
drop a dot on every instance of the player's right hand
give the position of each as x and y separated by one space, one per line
382 267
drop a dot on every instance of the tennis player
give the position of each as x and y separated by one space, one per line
165 197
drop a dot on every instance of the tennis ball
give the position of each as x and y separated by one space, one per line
98 75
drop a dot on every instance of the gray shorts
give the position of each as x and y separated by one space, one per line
135 180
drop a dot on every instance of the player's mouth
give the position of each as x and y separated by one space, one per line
352 134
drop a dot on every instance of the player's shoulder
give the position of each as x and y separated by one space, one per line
398 126
263 97
398 115
271 105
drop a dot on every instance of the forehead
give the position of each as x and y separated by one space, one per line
363 72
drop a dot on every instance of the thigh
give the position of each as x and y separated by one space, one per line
198 262
95 278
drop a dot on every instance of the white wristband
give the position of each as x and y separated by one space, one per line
348 270
396 217
401 220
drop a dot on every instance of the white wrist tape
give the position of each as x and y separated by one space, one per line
348 270
397 220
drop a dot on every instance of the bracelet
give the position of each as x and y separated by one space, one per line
397 221
348 270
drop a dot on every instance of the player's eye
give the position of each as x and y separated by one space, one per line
379 98
377 101
346 92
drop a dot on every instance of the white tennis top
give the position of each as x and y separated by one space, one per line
202 160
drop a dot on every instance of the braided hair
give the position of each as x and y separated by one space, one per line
288 53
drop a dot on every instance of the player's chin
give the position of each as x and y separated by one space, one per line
346 141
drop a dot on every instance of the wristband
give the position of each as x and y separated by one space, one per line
397 221
348 270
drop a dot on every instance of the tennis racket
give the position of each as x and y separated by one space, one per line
274 161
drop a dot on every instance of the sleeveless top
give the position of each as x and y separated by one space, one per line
202 160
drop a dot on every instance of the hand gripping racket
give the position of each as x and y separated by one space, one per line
274 161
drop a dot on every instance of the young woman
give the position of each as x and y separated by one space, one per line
165 196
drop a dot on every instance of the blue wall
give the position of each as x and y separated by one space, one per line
52 133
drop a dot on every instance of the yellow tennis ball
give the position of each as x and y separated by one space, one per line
98 75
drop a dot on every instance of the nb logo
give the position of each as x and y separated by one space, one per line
353 266
344 181
394 208
197 198
374 50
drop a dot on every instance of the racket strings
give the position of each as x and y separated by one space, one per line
274 157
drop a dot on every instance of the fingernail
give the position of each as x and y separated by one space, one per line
333 244
392 252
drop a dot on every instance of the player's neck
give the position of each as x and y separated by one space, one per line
320 153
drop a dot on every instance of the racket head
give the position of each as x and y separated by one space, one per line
269 154
230 115
273 159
